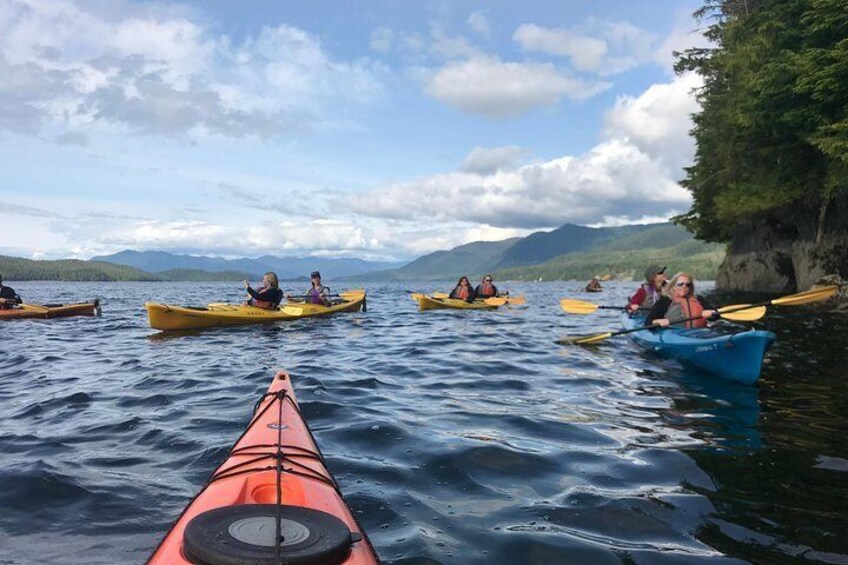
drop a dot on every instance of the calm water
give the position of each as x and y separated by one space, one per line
456 437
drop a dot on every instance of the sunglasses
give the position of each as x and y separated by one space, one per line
487 280
682 284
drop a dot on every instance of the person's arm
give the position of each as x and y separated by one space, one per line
659 310
636 300
269 295
452 293
709 311
472 294
477 289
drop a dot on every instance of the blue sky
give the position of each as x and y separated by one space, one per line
375 129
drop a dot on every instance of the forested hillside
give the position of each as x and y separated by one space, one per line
771 168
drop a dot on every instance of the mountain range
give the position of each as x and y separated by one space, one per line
568 252
287 268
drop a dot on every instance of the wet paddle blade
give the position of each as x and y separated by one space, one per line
440 295
495 301
572 306
741 314
814 295
584 339
517 301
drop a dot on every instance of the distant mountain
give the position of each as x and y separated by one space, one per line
569 251
696 258
475 257
287 268
19 269
543 246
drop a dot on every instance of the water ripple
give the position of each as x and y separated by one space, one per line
457 437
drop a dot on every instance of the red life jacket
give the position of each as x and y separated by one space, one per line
462 292
487 290
688 308
262 303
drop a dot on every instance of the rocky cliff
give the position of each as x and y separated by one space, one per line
790 252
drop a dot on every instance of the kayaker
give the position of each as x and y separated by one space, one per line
267 296
594 285
486 289
680 302
650 291
463 290
8 297
318 293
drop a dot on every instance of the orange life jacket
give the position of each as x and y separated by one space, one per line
688 308
262 303
487 290
462 292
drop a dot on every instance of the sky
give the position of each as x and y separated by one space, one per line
376 129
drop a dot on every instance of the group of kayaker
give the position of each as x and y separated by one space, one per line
464 291
665 302
269 294
8 297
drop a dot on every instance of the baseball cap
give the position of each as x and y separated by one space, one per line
315 274
653 270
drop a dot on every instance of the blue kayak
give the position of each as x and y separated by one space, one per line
732 355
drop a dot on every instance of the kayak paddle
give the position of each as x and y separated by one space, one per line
815 295
732 312
493 301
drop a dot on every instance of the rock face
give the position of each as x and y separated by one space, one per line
784 255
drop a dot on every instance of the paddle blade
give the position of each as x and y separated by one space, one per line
517 301
742 314
572 306
495 301
814 295
291 310
584 339
440 295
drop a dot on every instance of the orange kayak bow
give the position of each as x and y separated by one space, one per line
272 501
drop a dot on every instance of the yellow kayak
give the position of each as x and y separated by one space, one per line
427 302
51 311
170 317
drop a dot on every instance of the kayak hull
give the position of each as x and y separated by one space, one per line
735 356
249 478
35 311
168 317
427 302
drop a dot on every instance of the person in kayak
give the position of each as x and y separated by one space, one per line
267 296
463 290
318 293
680 302
8 297
486 289
650 291
594 285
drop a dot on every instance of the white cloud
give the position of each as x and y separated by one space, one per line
163 70
486 160
628 176
658 120
479 24
488 86
685 35
381 39
598 46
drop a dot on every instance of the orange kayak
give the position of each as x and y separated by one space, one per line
50 311
272 501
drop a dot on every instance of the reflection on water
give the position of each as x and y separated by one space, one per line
457 437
